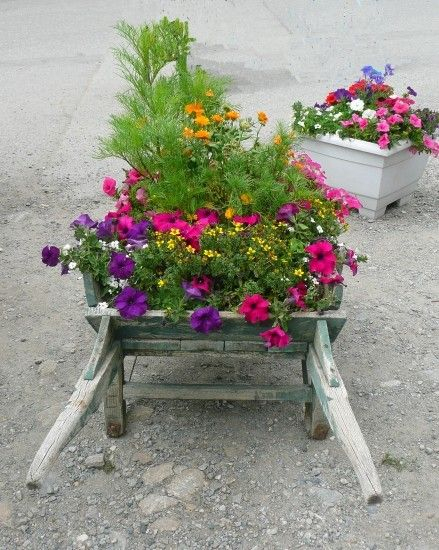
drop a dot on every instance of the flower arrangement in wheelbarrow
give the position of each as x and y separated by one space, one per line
370 110
208 217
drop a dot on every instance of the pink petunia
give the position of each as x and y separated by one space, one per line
133 176
252 219
165 221
141 195
362 123
323 259
109 186
346 123
384 141
431 144
394 119
203 282
255 308
400 106
333 279
276 337
382 126
382 111
415 121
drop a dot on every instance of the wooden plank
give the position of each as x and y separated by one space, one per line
250 347
343 423
114 405
232 392
92 290
144 346
153 325
202 345
101 346
322 346
315 419
84 401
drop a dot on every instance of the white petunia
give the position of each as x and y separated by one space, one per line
111 281
369 113
319 229
72 265
357 105
301 123
330 108
337 116
317 126
319 112
67 247
290 229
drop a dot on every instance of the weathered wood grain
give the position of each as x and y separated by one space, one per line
322 347
114 404
233 392
84 401
92 290
153 325
335 405
101 346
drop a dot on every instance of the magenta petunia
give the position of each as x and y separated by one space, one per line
323 259
333 279
203 282
401 106
255 308
50 255
210 216
109 186
165 221
124 225
121 266
133 176
298 294
287 212
394 119
131 303
252 219
276 337
206 319
415 121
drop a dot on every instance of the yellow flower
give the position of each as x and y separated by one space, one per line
161 282
202 134
263 118
245 198
174 231
190 249
188 132
195 108
298 272
202 120
232 115
209 93
229 213
277 140
217 118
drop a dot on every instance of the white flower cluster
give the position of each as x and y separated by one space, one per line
357 105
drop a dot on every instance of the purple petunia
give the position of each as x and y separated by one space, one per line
411 91
388 70
121 266
206 319
105 229
136 236
84 220
131 303
342 93
287 211
372 74
64 269
50 255
191 291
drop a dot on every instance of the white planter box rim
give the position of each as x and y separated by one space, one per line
360 145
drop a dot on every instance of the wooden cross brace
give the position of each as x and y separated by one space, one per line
323 391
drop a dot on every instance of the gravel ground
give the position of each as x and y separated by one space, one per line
195 475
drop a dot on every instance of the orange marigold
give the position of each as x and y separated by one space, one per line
245 198
195 108
263 118
229 213
202 120
217 118
277 140
232 115
188 132
202 134
209 93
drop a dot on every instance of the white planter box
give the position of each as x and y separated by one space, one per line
378 177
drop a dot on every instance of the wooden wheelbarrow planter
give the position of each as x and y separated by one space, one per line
323 392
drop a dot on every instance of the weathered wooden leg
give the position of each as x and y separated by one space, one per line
336 407
84 401
315 419
115 406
